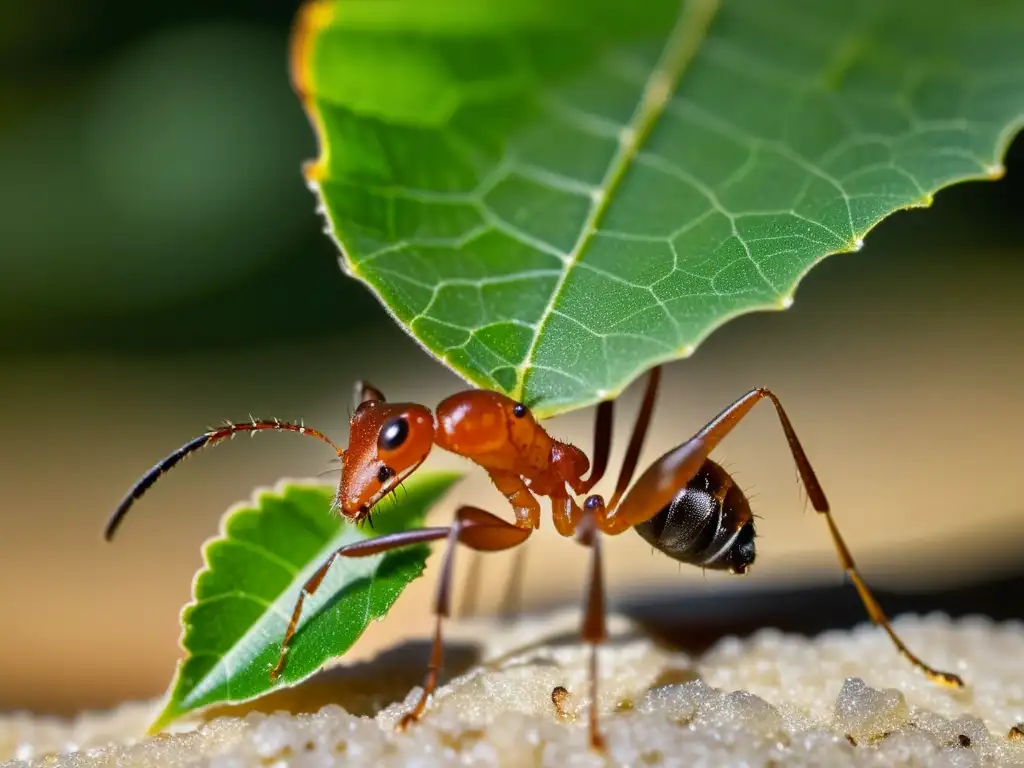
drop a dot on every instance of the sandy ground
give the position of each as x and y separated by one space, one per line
843 698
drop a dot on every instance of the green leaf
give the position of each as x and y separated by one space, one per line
245 594
554 195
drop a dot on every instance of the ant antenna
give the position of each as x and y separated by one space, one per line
213 436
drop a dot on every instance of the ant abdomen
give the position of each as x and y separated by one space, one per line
708 523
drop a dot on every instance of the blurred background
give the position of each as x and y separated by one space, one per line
162 269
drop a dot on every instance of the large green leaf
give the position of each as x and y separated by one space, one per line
254 570
553 195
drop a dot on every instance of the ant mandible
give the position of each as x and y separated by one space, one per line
685 505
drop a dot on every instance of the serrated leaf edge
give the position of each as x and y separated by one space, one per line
313 15
279 488
165 715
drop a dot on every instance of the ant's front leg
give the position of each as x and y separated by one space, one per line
473 528
525 504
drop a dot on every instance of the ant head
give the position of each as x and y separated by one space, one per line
387 442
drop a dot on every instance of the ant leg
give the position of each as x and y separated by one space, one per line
473 528
565 510
378 544
660 483
603 435
565 514
525 504
527 510
593 630
603 423
365 392
471 593
512 602
636 440
483 532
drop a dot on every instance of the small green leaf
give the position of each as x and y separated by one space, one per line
554 195
244 596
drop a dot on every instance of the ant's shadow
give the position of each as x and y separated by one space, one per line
696 622
363 688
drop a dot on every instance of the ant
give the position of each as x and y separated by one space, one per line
684 504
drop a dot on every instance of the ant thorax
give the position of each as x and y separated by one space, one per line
494 431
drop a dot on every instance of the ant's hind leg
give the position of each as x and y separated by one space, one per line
878 615
658 485
719 428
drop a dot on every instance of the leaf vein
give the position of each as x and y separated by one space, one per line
265 553
681 46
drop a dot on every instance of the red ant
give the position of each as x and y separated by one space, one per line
684 504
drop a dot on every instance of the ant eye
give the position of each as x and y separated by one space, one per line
519 410
393 434
384 474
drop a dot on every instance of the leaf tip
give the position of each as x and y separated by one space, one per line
167 716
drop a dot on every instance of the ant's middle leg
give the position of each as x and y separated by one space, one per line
483 532
586 526
593 630
660 483
473 528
